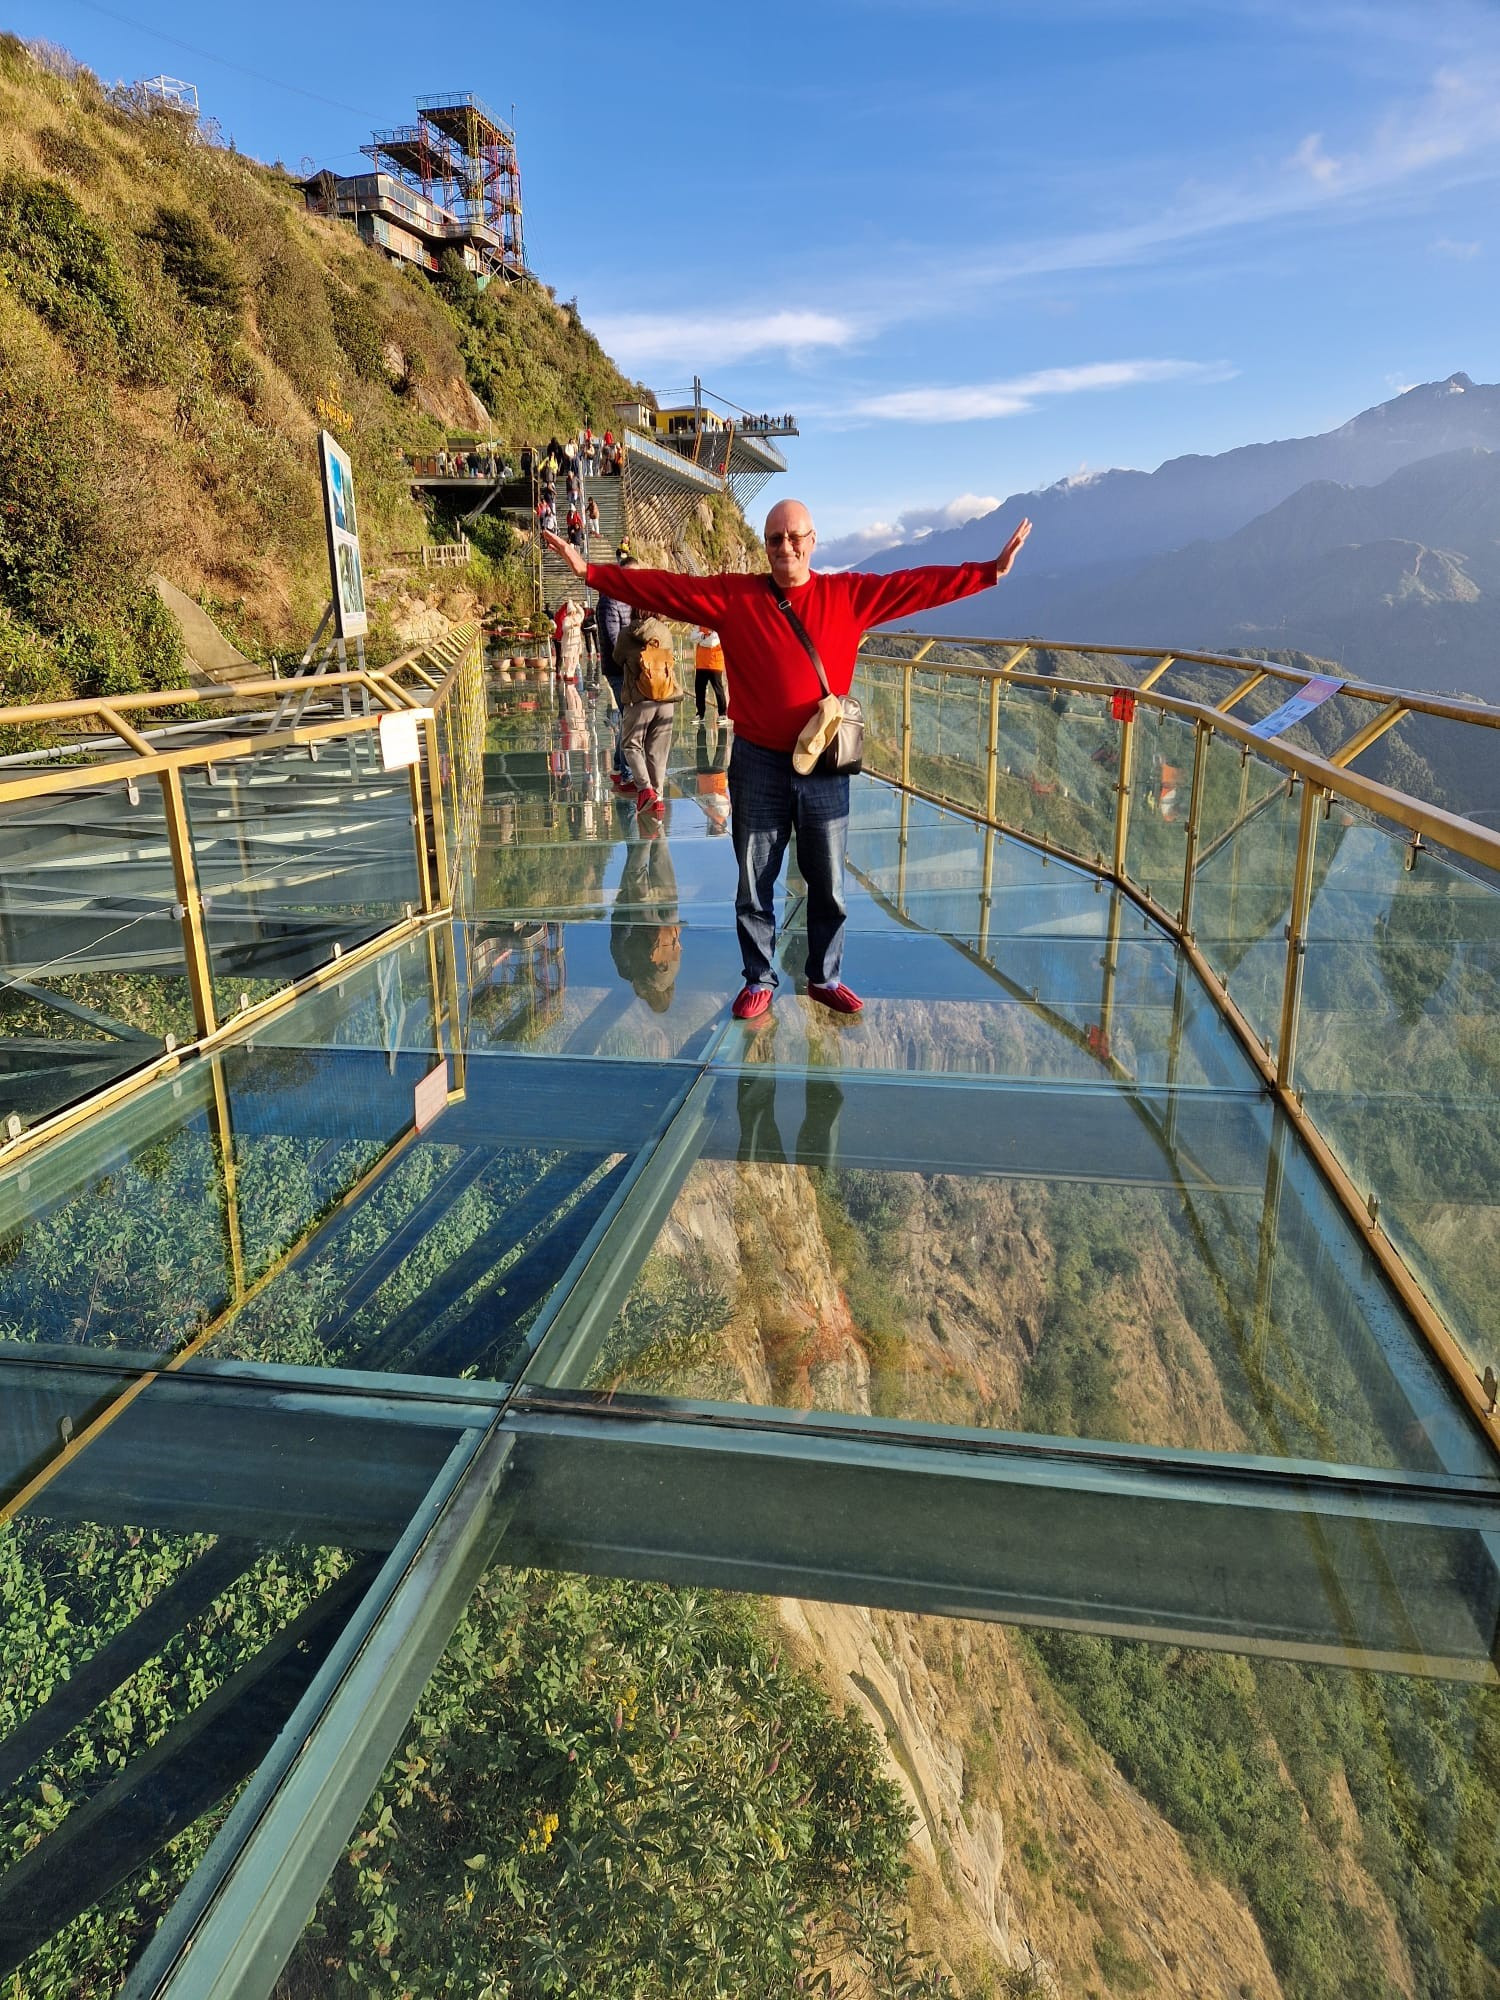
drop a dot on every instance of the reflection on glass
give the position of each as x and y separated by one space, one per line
296 856
1161 788
93 976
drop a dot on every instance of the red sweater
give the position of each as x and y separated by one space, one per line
772 686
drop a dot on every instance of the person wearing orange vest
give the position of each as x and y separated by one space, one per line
708 672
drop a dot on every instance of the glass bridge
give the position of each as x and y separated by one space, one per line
388 1203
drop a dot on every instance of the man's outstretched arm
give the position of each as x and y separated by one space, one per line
660 590
878 598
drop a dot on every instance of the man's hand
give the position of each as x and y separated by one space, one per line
569 554
1007 555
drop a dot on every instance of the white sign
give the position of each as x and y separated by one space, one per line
351 620
400 739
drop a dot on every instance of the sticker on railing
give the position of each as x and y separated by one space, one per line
1312 694
430 1098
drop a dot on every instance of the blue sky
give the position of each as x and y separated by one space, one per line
976 245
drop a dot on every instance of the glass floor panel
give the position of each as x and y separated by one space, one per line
1065 1263
1013 1299
1078 1815
175 1595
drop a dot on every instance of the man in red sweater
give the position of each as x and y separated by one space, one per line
773 691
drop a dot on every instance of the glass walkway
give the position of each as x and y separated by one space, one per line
1035 1294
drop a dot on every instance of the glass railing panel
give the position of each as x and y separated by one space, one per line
1243 904
1160 801
1058 769
295 857
1236 785
879 689
92 970
1398 1053
1064 1262
959 737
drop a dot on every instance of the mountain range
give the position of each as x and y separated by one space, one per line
1376 545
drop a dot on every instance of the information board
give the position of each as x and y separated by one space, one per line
344 567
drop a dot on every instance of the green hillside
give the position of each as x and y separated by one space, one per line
174 330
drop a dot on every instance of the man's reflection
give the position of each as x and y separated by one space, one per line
645 937
760 1136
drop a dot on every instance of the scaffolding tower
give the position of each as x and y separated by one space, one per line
463 159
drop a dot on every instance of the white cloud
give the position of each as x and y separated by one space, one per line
979 401
1452 128
1310 158
705 340
1465 252
912 524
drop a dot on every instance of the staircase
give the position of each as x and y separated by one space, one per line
558 581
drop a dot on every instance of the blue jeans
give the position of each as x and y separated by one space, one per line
616 679
768 802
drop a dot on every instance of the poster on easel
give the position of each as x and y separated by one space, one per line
351 621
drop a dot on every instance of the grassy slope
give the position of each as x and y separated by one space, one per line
174 330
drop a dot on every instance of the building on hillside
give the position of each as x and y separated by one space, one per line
734 445
451 181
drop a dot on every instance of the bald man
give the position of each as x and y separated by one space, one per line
773 691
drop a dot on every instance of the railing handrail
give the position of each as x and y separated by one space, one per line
1244 664
1464 836
145 758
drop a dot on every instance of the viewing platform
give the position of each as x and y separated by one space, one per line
386 1192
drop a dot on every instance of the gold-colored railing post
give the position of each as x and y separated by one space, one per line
1111 970
189 901
1202 733
906 680
901 838
1296 931
434 763
1122 788
223 1130
986 892
419 840
992 753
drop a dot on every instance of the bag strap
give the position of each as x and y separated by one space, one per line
783 605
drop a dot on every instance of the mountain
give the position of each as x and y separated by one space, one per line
1113 517
1400 582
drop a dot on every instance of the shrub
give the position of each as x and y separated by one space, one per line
195 261
60 263
67 154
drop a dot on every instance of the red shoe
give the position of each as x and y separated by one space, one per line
839 998
626 787
647 801
752 1003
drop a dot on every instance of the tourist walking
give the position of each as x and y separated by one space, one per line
708 672
652 692
773 628
591 515
613 616
569 638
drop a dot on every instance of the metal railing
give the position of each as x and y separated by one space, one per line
1275 868
281 870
